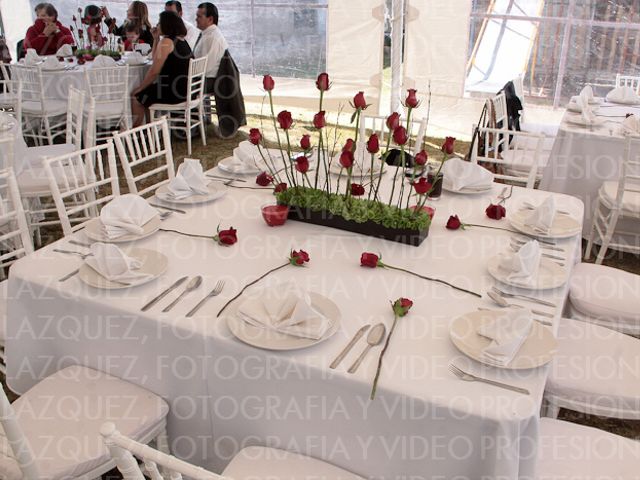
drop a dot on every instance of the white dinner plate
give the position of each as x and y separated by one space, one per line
550 275
577 108
538 348
214 193
564 226
466 190
94 231
272 340
153 263
578 120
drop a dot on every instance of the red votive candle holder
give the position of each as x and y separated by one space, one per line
275 215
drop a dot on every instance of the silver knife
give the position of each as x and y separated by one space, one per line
177 210
349 346
163 294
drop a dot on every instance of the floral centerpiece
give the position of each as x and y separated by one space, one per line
351 199
90 40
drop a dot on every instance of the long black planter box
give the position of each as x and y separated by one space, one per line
369 228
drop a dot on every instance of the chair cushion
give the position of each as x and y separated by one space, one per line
107 110
530 142
549 129
177 106
567 451
630 200
51 107
34 181
607 296
262 463
3 311
61 418
594 369
35 155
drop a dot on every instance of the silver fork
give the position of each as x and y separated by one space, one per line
548 246
523 297
71 252
216 291
468 377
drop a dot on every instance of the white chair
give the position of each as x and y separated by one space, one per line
81 183
498 111
147 151
594 371
567 451
378 124
605 296
10 94
628 81
549 130
519 160
43 117
53 430
189 114
255 463
15 242
108 102
618 200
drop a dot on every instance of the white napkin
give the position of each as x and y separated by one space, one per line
631 124
285 309
523 265
459 174
65 51
134 58
246 157
507 334
102 61
113 264
143 48
543 215
586 96
625 95
189 180
126 214
51 63
31 59
587 112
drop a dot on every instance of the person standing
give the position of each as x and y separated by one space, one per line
47 34
192 31
211 43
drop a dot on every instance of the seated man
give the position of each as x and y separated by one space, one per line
47 34
211 43
192 31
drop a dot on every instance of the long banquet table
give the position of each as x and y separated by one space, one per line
224 394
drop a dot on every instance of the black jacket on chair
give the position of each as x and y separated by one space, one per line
514 106
228 95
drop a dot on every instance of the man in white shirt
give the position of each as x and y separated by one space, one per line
211 43
192 31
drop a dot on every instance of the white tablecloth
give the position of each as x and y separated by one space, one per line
18 146
223 394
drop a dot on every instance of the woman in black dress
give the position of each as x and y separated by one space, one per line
166 80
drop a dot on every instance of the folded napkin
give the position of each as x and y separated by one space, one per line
586 95
51 63
284 309
542 217
631 124
459 174
65 51
189 180
143 48
523 265
126 214
507 333
246 157
134 58
102 61
625 95
113 264
31 59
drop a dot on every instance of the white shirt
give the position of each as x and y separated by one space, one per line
212 45
192 34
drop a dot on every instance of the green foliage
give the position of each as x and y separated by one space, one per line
352 208
95 52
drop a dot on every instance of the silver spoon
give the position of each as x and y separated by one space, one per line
191 286
375 337
502 302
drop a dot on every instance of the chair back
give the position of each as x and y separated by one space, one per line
628 81
629 183
15 238
82 183
32 86
123 450
75 110
197 78
145 154
108 85
518 86
499 103
378 124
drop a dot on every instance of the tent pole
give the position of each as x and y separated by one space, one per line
397 27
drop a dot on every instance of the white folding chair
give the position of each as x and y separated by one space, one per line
53 430
108 104
378 124
618 200
189 114
15 242
145 154
516 156
255 463
81 183
10 94
500 113
628 81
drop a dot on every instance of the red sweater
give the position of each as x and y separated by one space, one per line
47 45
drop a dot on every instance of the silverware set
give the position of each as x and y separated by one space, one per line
170 209
193 285
469 377
559 260
375 337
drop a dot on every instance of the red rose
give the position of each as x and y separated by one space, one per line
448 146
281 187
359 102
496 211
346 159
323 82
302 164
285 120
369 260
227 237
298 258
373 144
255 136
268 83
411 100
264 179
421 158
454 222
400 135
422 186
348 146
305 142
402 306
357 189
318 120
393 121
